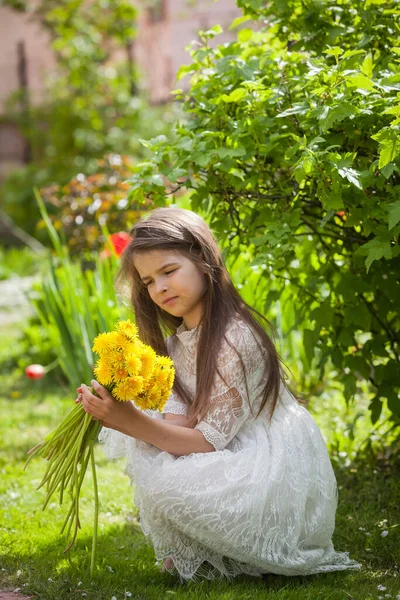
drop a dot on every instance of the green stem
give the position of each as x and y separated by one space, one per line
73 511
62 486
55 463
60 464
71 459
73 416
56 439
77 482
96 510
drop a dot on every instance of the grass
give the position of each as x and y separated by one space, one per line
20 262
31 556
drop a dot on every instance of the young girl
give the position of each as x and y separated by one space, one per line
234 477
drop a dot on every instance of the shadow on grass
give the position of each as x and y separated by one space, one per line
126 567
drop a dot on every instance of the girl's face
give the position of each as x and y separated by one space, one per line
174 283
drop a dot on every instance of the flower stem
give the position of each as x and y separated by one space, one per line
96 510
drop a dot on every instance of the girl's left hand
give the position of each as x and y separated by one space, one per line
103 407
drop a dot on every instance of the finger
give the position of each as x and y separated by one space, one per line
87 393
90 402
79 389
90 407
99 389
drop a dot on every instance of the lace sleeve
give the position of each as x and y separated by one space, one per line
241 360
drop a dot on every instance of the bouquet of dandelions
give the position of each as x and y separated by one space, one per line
130 370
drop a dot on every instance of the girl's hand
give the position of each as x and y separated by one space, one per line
104 408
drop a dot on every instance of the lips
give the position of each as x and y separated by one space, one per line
169 300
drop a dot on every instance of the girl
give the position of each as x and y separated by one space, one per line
234 477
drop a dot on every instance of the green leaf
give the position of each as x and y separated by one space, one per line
327 217
388 153
358 364
394 214
212 32
300 108
367 66
239 21
245 35
346 338
351 175
157 179
323 315
376 408
235 96
389 144
309 342
358 316
350 53
375 250
224 152
350 387
184 70
336 114
335 51
360 81
388 170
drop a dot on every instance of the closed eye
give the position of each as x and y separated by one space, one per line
165 273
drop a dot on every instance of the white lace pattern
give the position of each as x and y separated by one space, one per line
263 502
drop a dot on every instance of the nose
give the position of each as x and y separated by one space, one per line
161 286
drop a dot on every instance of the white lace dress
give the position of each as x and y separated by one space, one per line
263 502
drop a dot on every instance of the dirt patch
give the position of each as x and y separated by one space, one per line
13 596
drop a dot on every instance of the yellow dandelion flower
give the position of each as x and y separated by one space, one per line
164 362
116 358
103 372
128 388
113 336
148 358
171 378
151 400
128 328
161 377
123 342
107 355
154 393
133 364
102 342
120 373
141 402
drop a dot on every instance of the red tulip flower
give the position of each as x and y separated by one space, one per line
119 242
35 371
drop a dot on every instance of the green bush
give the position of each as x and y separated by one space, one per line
292 150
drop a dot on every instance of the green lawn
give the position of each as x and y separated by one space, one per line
31 548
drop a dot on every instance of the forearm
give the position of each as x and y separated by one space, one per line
181 420
175 439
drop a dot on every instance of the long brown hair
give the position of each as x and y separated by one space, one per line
181 230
